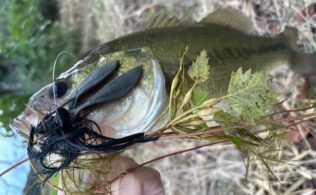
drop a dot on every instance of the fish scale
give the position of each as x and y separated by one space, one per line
227 48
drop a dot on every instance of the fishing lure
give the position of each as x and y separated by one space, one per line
68 133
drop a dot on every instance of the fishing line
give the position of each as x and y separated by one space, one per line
54 68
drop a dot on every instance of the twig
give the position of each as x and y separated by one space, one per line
42 177
165 156
179 152
302 117
207 132
293 110
14 166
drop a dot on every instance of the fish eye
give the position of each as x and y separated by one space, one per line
58 89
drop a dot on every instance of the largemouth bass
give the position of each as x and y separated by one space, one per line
229 38
226 35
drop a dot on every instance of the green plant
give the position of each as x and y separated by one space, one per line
10 107
32 41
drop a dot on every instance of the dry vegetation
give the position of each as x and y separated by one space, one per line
218 169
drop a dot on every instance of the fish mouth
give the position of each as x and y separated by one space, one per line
19 127
23 123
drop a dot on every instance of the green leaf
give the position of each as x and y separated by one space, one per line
240 142
249 95
54 180
179 87
199 71
10 107
225 119
199 97
248 135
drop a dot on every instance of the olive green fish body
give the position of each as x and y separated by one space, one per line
227 49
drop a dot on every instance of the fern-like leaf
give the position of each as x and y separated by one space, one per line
249 94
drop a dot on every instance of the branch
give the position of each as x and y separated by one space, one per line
165 156
14 166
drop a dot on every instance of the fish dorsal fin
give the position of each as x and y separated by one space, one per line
162 21
232 18
291 34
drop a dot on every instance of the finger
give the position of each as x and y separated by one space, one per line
120 165
143 180
150 181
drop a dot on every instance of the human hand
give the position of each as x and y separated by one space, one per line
141 181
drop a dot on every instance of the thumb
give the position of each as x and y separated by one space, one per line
143 180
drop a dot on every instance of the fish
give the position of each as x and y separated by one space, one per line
120 117
228 36
230 39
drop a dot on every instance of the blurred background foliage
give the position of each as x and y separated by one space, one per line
31 37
